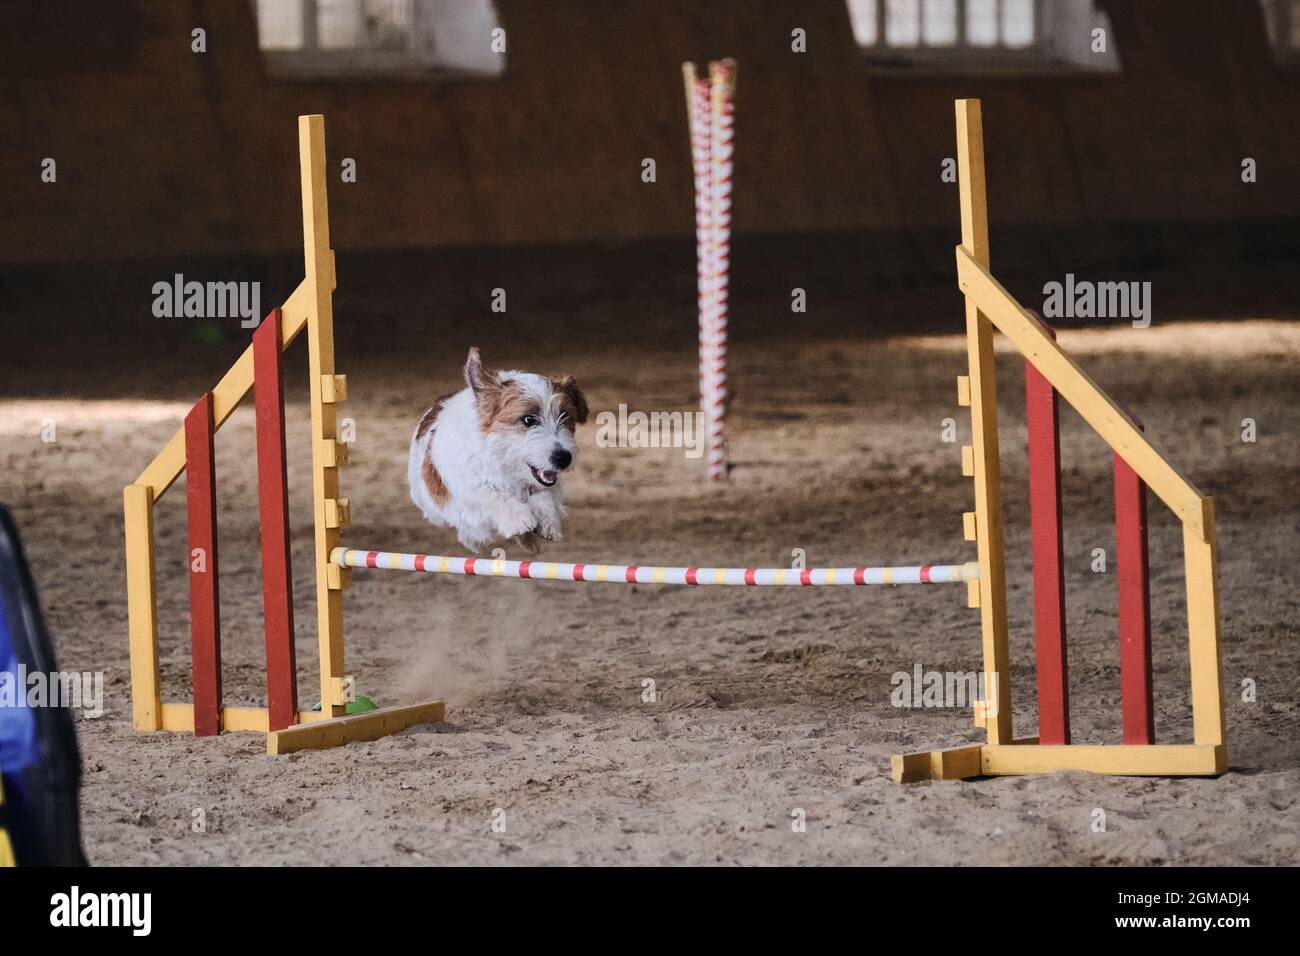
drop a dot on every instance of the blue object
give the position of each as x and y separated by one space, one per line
39 763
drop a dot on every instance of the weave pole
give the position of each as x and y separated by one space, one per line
710 108
638 574
722 77
697 109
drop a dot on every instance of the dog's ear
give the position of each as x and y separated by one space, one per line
573 402
476 377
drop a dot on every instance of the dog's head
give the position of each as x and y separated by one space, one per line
528 420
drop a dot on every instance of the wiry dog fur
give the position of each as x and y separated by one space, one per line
487 460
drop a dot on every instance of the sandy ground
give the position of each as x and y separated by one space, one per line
768 701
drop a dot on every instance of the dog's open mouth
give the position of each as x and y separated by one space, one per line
545 478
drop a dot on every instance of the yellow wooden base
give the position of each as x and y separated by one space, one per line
1027 756
180 717
337 731
314 730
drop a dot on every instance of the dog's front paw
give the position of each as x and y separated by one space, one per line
547 514
516 526
530 541
548 525
470 543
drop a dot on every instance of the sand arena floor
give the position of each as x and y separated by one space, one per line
768 700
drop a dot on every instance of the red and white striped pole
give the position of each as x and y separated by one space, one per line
711 108
722 76
698 111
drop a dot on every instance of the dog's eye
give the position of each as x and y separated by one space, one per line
530 421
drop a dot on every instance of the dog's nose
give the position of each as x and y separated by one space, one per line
561 458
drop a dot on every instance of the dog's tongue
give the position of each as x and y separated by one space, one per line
549 475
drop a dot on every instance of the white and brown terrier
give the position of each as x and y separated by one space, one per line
487 460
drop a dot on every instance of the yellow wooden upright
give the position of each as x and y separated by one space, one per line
995 717
326 452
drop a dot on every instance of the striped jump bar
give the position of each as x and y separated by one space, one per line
635 574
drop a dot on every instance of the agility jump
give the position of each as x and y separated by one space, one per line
191 450
1138 465
1050 373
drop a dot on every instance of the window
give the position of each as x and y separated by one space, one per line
1282 18
377 38
999 34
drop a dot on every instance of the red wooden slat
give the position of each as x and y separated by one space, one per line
273 507
205 611
1042 416
1133 570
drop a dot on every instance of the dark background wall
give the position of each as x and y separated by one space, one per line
165 152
